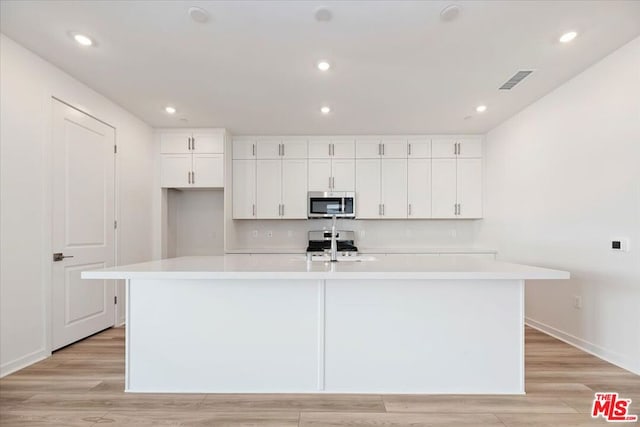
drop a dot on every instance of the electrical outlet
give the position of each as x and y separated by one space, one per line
620 244
577 302
269 233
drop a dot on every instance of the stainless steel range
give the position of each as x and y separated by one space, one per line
320 243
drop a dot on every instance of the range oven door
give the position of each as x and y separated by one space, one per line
327 204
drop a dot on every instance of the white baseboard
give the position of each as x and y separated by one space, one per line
593 349
23 362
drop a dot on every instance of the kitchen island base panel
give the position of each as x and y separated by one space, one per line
325 336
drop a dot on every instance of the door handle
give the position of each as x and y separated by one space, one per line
59 256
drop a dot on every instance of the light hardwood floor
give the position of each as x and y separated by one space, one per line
82 385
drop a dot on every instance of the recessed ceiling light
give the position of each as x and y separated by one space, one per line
169 109
481 108
323 65
198 14
450 13
82 39
567 37
325 110
323 15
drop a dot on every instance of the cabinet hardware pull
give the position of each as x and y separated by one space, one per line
455 148
189 177
282 150
459 209
409 209
253 149
193 143
253 210
333 182
282 209
383 207
329 146
193 177
380 209
188 143
383 155
333 149
329 182
409 149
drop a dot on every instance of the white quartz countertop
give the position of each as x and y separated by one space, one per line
365 250
293 266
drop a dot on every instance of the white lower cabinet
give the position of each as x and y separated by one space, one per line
244 189
381 188
419 188
281 189
457 188
192 170
331 175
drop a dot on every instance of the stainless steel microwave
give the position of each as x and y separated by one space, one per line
327 204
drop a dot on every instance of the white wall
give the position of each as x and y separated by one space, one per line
562 180
27 84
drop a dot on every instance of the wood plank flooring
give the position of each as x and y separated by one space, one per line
82 385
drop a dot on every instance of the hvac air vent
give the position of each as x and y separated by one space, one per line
517 78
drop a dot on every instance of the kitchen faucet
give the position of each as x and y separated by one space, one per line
334 242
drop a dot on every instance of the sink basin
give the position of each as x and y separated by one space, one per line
342 258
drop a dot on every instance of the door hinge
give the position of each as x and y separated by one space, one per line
115 149
115 224
115 300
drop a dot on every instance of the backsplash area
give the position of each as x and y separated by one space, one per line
370 234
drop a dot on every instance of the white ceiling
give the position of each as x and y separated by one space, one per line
397 68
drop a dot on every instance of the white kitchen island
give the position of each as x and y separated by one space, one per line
280 324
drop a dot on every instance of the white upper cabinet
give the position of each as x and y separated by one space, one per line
469 188
244 149
343 149
192 158
175 142
368 148
294 189
368 188
319 148
443 188
320 175
281 189
443 148
419 148
269 148
394 148
207 142
294 149
418 188
343 174
456 188
375 148
268 188
394 188
244 189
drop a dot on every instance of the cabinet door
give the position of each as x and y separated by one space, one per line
268 188
469 188
394 148
244 189
319 149
419 188
394 188
294 149
243 149
443 148
174 142
343 148
208 170
470 148
443 188
268 148
419 148
294 189
343 172
208 142
319 174
368 148
175 170
368 181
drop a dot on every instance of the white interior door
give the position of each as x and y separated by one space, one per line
83 224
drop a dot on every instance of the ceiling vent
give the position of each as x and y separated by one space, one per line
517 78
